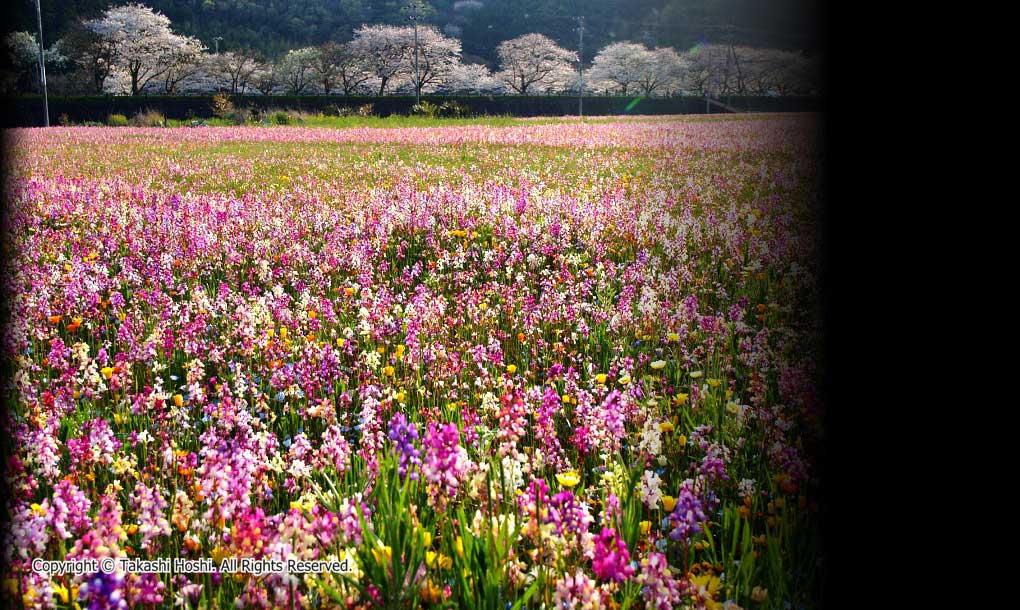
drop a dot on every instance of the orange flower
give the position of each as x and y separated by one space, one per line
55 319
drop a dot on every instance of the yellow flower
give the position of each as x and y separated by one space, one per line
680 399
707 585
666 426
696 374
38 510
107 371
682 440
388 371
178 400
659 364
61 593
625 380
431 592
673 337
713 382
459 545
312 314
568 479
427 539
645 526
668 503
566 399
283 333
511 368
601 378
383 554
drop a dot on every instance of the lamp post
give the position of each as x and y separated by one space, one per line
217 41
42 67
413 18
580 67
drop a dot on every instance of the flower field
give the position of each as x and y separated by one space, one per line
555 365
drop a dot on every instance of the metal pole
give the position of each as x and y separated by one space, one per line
217 41
42 68
580 68
413 18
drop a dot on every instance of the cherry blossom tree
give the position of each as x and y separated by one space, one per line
296 70
141 43
438 56
183 60
266 78
616 66
471 78
234 69
384 50
352 69
534 61
659 71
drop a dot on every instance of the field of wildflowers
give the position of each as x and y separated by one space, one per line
555 365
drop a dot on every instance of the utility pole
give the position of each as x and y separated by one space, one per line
413 18
217 41
580 67
42 68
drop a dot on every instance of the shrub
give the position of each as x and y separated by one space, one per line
240 116
64 120
451 108
281 117
117 120
426 108
222 107
149 118
365 110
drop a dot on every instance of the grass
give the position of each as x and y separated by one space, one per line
397 121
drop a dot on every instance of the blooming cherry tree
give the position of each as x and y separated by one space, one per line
384 50
534 61
142 43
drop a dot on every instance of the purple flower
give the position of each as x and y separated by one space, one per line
688 514
612 559
446 463
404 434
104 592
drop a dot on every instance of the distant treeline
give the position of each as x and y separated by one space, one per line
272 27
27 110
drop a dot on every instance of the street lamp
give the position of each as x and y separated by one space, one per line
217 41
413 18
42 68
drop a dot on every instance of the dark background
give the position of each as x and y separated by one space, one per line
273 26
